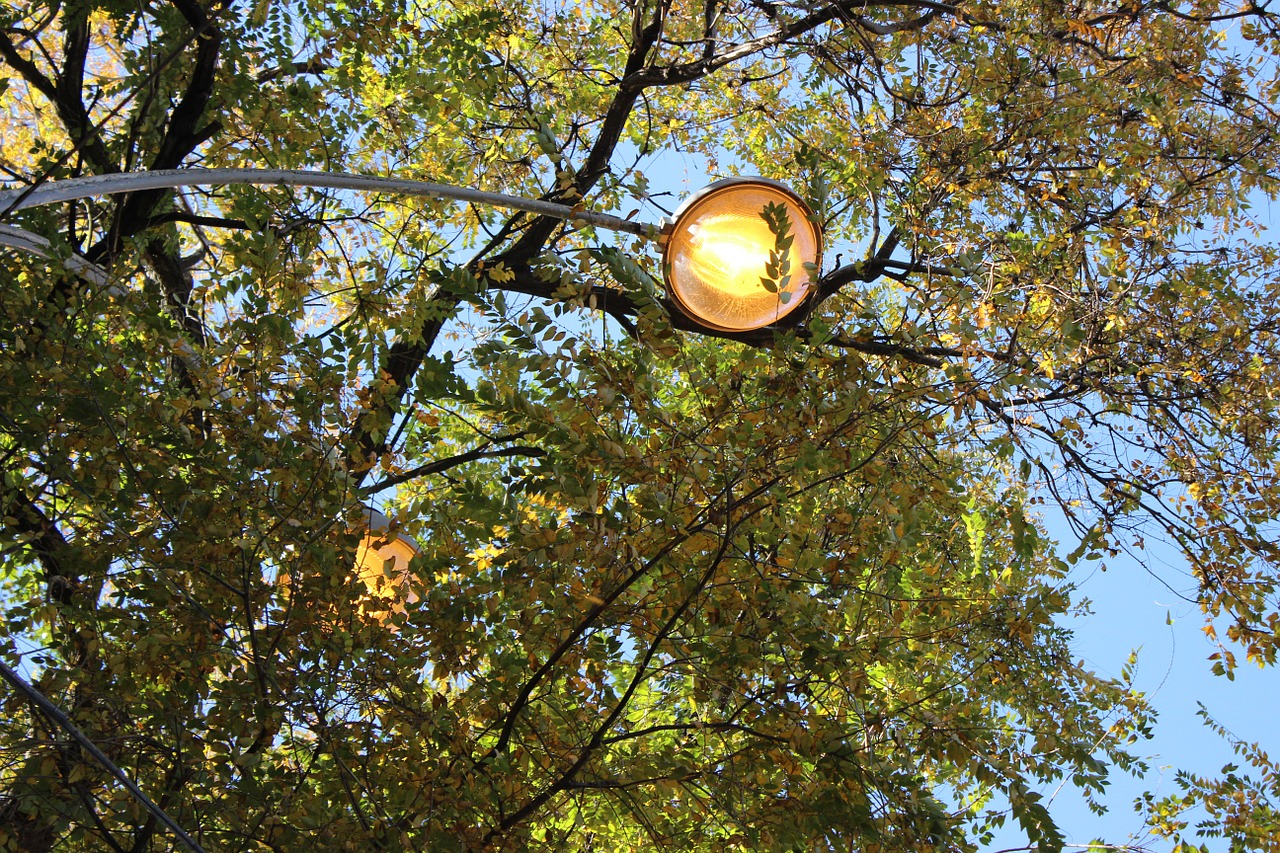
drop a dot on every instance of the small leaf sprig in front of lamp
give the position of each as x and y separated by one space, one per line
778 270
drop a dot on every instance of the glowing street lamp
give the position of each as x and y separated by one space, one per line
382 565
717 254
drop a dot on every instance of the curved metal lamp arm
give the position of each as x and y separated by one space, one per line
25 241
128 182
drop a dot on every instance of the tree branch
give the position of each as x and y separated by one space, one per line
196 219
46 542
641 675
184 132
406 355
314 65
65 93
690 71
445 464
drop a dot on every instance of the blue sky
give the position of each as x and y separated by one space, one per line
1131 608
1140 602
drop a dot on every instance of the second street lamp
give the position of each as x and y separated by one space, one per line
382 564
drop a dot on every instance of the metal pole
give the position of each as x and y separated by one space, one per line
55 714
127 182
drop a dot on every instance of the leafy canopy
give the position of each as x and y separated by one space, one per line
786 590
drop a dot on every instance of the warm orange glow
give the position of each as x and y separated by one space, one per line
718 249
382 564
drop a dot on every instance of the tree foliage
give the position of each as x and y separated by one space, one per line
675 590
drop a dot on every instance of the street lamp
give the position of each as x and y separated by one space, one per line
717 251
721 249
382 565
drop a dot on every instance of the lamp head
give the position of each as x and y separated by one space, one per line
382 564
718 251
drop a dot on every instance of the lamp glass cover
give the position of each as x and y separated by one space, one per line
717 252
